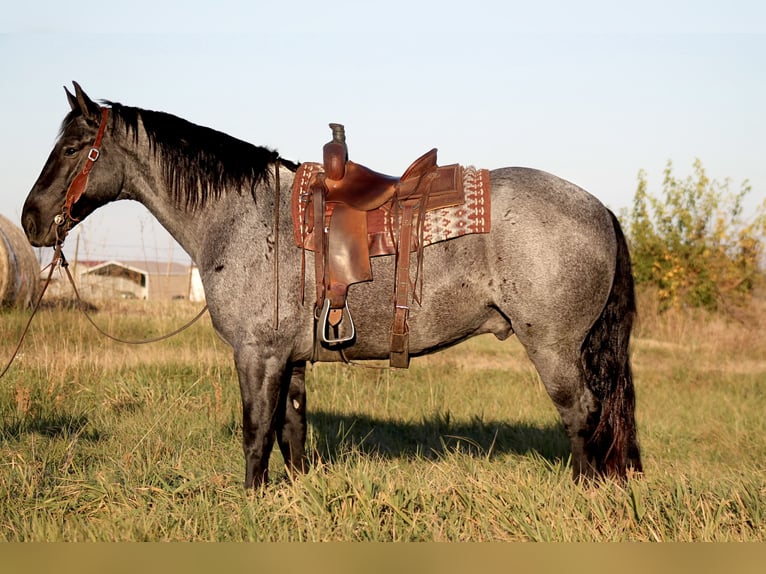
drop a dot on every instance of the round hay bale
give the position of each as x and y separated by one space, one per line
19 269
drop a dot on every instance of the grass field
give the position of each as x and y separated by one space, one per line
102 441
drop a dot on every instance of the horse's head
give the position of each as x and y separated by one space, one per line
66 190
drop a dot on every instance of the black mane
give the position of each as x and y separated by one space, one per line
199 163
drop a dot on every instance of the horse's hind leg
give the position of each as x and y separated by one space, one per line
291 418
592 389
587 370
562 375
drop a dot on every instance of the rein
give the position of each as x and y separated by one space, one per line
52 265
81 307
59 259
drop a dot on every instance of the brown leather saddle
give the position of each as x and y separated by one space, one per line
347 213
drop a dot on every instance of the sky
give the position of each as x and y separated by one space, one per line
592 91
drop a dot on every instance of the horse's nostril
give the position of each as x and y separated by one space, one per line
29 225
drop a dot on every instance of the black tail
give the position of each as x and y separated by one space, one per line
613 446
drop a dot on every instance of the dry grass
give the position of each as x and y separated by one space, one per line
728 345
737 332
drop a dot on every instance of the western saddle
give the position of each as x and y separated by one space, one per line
347 213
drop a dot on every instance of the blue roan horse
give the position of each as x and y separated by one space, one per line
554 270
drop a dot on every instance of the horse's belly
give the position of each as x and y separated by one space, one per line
454 292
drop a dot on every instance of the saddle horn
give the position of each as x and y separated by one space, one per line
335 153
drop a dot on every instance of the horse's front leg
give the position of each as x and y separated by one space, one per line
260 379
291 418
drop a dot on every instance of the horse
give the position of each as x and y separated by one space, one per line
554 270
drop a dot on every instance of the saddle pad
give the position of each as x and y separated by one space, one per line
472 216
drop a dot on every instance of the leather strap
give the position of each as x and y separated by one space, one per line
399 355
324 285
80 182
400 331
320 236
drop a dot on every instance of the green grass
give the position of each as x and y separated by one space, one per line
102 441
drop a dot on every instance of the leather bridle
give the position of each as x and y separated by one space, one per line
80 181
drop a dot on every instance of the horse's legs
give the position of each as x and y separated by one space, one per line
259 382
291 418
563 377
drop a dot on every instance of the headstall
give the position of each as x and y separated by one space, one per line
80 182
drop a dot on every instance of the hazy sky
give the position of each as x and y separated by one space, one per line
590 91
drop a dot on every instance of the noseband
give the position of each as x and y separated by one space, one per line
80 182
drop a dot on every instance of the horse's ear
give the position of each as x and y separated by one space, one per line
81 101
72 100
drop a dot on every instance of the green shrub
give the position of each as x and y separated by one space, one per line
693 242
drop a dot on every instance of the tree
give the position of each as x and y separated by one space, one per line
693 242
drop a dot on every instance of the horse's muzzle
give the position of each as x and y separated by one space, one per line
37 234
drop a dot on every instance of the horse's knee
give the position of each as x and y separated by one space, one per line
296 391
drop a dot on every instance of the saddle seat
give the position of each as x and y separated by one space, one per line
365 189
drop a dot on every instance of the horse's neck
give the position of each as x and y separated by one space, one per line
146 184
195 229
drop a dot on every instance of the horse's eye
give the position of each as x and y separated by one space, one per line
70 151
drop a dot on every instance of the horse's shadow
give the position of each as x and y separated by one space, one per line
61 425
433 437
336 434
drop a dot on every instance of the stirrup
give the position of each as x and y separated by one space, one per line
324 325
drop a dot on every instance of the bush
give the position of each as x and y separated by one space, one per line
692 243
